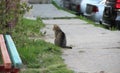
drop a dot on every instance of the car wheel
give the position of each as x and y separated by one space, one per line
118 25
100 22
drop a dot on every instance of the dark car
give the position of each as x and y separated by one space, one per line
73 5
111 14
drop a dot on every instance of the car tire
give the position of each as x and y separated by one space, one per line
100 22
118 25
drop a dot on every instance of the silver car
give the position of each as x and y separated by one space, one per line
94 11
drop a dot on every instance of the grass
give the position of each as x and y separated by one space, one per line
54 3
61 8
38 56
96 24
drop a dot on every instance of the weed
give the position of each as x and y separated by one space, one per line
54 3
38 56
61 8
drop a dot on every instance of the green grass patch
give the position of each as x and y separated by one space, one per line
96 24
37 55
54 3
61 8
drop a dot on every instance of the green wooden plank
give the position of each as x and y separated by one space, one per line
16 60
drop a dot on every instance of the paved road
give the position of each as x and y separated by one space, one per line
95 50
47 11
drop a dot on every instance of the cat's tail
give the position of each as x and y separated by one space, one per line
69 47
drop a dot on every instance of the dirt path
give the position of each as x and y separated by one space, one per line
95 50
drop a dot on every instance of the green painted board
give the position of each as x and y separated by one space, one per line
16 60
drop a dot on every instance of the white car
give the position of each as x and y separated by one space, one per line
94 11
83 5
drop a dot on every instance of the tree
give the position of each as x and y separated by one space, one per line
10 12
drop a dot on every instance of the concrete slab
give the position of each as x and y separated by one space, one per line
95 50
47 11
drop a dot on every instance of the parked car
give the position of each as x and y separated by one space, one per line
75 5
95 11
111 14
84 3
66 4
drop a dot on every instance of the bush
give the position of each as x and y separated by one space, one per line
10 12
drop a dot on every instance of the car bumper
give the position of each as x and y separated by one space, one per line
118 16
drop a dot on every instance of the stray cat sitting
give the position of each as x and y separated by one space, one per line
60 37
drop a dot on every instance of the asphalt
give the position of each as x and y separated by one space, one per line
47 11
95 49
